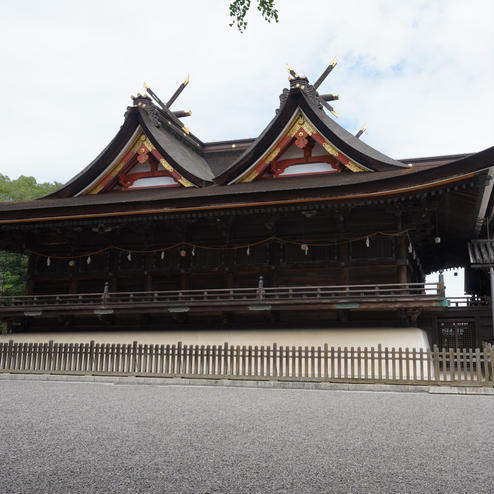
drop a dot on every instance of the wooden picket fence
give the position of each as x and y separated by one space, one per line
472 367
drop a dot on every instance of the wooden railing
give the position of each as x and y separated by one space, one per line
468 301
291 363
277 295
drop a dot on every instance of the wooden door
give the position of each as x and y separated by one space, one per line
457 333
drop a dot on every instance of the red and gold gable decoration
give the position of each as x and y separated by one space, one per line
300 150
140 166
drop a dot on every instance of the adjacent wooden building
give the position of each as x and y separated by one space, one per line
304 225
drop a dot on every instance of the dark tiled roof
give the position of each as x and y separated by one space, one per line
429 161
481 253
101 162
184 156
356 148
221 162
337 135
338 186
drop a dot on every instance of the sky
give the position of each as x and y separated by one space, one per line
418 74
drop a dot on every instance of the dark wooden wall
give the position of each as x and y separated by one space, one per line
351 260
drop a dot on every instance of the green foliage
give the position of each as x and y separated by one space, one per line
13 266
239 9
24 188
13 269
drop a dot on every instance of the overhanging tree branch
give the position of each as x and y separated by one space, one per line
239 9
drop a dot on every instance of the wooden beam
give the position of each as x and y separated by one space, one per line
176 94
325 74
329 97
328 107
182 113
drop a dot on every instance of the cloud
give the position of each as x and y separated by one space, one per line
419 74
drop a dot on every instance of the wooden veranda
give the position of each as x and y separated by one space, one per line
353 297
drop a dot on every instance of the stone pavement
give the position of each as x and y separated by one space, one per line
105 437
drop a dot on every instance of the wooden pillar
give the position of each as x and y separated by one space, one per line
112 268
343 259
343 250
184 281
273 251
148 279
73 284
28 287
228 262
229 280
402 259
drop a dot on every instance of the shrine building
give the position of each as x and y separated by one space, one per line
304 226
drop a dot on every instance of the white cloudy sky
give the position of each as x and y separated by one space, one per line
419 73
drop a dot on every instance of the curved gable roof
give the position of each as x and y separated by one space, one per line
179 154
198 164
301 97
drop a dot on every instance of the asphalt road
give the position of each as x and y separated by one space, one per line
103 438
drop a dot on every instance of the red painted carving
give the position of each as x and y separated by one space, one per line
142 155
308 150
301 140
307 143
274 168
278 167
126 178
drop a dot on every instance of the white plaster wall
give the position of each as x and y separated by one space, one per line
153 182
387 337
308 168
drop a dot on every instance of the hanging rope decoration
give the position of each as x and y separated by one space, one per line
182 245
411 250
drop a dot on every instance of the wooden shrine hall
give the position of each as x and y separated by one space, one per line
304 225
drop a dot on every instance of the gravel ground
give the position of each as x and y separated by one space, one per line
61 437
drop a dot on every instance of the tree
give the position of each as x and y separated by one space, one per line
24 188
13 267
239 9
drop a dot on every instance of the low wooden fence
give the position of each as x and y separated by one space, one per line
290 363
